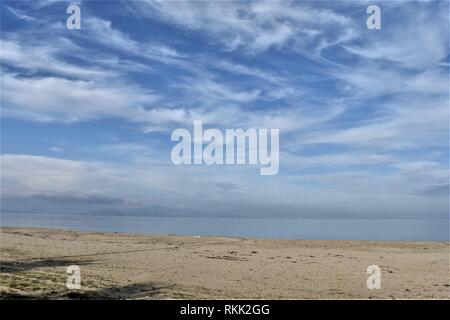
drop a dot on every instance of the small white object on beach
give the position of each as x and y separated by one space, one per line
196 236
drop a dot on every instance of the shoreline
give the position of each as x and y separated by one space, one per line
81 230
117 265
289 229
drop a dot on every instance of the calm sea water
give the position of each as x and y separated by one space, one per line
308 229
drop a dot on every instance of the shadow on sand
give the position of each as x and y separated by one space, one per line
130 291
27 265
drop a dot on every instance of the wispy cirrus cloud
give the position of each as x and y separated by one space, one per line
20 14
256 26
418 43
35 57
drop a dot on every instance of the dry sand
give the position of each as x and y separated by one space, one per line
34 262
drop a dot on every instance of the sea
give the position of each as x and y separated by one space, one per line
295 229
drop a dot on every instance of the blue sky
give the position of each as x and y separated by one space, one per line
363 114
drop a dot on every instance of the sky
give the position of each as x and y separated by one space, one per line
87 115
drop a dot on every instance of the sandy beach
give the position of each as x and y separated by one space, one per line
122 266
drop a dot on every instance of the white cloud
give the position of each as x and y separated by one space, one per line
28 174
56 149
314 195
348 159
43 57
20 14
408 122
419 40
369 81
101 31
255 26
248 71
63 100
216 92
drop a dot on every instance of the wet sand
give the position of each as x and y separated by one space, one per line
123 266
